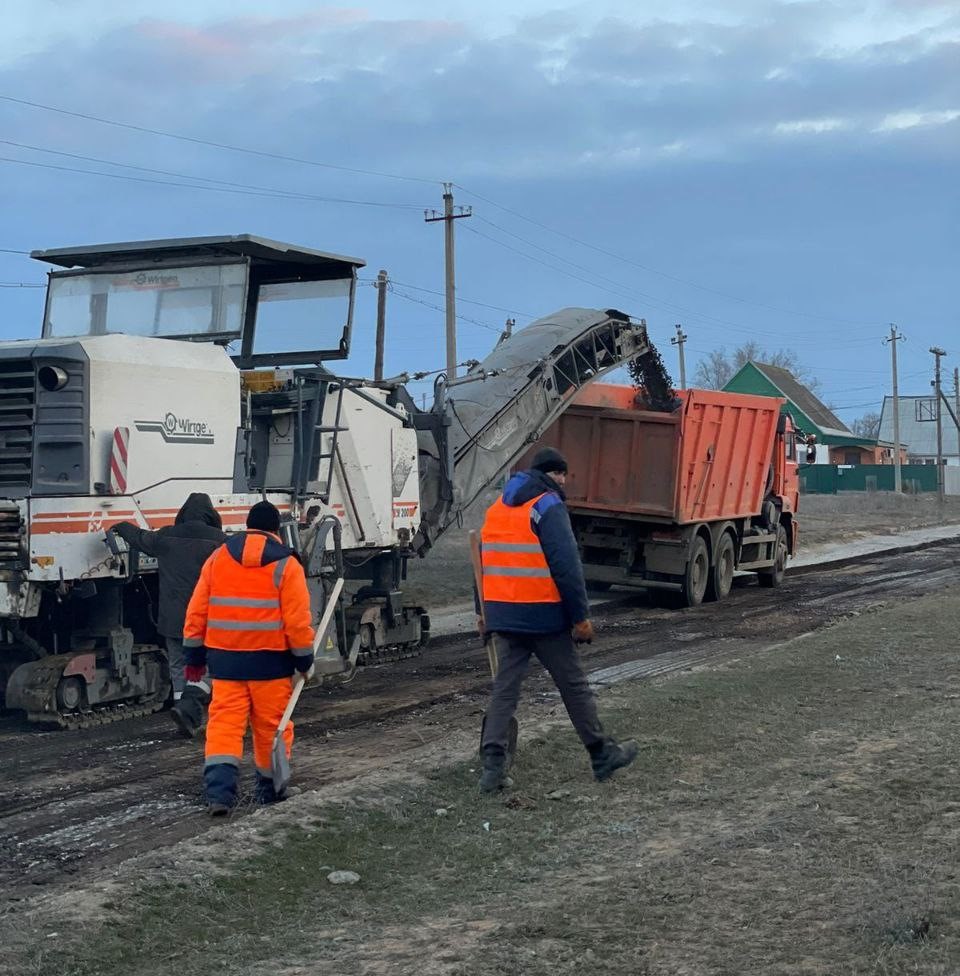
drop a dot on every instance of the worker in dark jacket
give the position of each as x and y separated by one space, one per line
181 550
534 596
249 621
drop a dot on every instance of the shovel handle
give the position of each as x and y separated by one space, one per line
477 562
298 684
301 679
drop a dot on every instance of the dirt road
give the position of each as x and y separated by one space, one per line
75 804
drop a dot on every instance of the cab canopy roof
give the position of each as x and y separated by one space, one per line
269 260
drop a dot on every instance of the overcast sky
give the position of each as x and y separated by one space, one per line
778 171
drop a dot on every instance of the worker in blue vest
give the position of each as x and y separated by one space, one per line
535 598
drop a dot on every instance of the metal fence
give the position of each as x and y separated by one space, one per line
828 479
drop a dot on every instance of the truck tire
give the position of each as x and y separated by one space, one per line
721 572
774 576
697 576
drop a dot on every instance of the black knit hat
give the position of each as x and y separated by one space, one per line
549 460
265 517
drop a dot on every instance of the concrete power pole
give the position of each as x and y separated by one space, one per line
938 353
956 401
893 339
381 286
678 340
448 217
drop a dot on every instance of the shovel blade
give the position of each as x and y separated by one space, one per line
279 766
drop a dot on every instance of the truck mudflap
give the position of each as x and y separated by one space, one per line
76 691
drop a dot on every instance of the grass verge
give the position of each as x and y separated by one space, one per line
794 812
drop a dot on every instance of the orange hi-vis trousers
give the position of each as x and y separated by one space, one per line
236 704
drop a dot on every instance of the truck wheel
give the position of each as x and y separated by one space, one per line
721 572
697 575
774 575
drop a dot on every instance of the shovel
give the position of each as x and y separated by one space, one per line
279 762
490 642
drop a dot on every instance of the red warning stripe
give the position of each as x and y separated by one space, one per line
118 461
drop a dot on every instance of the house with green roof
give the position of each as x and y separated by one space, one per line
836 443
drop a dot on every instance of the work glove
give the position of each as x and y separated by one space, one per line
194 672
583 632
309 673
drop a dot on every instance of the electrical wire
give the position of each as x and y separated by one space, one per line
282 195
460 298
651 270
295 194
216 145
439 308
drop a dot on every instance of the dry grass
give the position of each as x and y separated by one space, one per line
795 812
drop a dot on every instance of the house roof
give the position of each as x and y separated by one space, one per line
918 427
804 399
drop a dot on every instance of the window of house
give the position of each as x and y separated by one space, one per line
925 409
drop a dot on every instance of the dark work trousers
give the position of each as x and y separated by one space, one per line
559 656
176 660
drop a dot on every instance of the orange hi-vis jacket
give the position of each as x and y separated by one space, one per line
249 616
515 568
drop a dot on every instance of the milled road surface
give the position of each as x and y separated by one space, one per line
73 804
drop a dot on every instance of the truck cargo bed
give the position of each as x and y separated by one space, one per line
708 460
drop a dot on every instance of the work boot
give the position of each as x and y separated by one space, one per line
264 793
220 787
494 775
188 712
608 756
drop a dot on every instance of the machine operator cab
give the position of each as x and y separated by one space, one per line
268 303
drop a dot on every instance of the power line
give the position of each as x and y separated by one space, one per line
599 281
281 195
460 298
12 250
440 308
215 145
294 194
20 284
650 270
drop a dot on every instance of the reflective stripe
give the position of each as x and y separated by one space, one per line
278 572
515 571
193 642
221 761
245 624
512 547
240 601
301 651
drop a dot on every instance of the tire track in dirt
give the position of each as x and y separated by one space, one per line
75 803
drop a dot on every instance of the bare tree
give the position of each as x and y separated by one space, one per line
715 370
867 426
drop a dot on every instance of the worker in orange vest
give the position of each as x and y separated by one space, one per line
534 596
249 622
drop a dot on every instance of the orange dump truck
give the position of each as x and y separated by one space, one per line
676 502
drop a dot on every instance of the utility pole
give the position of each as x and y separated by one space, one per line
448 217
956 401
678 340
893 339
938 353
381 286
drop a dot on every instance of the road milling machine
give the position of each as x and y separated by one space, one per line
203 365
